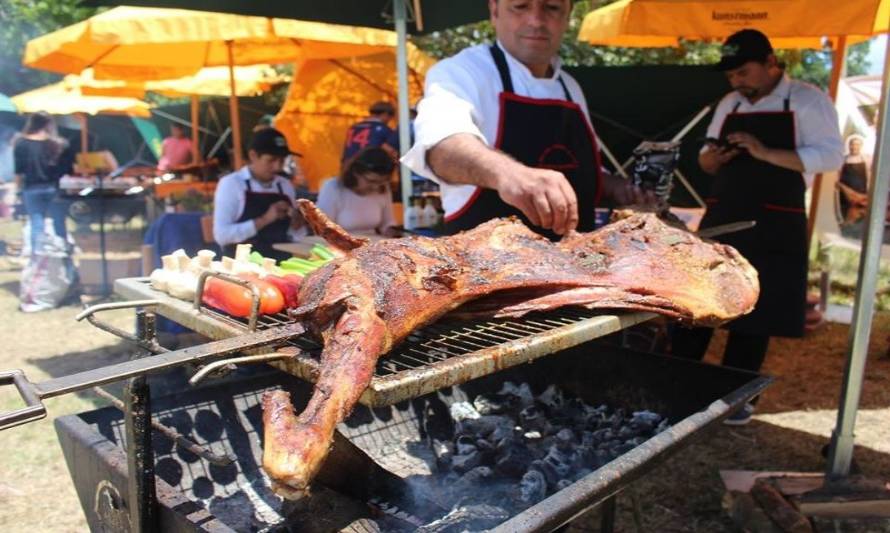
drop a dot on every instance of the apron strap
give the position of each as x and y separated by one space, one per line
247 183
737 106
280 190
500 61
787 104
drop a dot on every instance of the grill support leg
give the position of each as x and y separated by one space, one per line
607 520
140 455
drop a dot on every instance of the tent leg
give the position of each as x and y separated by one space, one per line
842 439
400 16
838 71
233 110
196 147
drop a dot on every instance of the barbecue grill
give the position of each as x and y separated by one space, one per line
207 448
194 494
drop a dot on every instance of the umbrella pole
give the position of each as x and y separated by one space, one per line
400 16
233 110
842 438
84 133
838 70
196 147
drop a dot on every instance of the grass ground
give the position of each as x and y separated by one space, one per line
794 420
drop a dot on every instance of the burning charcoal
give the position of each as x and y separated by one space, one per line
662 426
533 487
601 457
521 392
502 432
465 445
494 404
559 460
563 483
621 449
636 441
547 469
588 439
484 425
466 462
627 432
486 451
513 461
565 439
443 451
470 481
552 397
583 473
533 419
532 435
602 435
463 411
648 416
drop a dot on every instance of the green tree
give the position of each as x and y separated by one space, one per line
22 20
813 66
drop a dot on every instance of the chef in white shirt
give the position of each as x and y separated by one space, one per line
255 204
770 135
505 131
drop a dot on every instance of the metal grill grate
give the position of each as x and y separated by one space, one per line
439 341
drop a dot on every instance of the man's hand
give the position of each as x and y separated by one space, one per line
715 157
543 195
750 143
277 211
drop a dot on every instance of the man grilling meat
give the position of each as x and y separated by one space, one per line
772 134
505 131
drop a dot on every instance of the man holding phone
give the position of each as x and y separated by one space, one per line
772 135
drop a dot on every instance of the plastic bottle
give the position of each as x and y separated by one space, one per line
412 215
430 215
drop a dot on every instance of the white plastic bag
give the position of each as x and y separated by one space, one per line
49 278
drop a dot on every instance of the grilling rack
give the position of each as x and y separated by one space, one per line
440 355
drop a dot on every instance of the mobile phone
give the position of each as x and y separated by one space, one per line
720 143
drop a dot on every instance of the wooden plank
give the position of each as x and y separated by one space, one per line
871 504
743 480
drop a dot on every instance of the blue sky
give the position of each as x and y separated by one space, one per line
876 54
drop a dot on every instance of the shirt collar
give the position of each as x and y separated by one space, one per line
513 63
780 92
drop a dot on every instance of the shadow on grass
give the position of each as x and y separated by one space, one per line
696 507
12 287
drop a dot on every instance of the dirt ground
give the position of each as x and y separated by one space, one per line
793 423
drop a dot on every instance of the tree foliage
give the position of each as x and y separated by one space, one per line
813 66
22 20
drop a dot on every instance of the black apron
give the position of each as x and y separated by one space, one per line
855 176
749 189
542 133
255 205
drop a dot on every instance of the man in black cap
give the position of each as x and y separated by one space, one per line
768 137
256 203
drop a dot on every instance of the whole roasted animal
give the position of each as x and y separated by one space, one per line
363 304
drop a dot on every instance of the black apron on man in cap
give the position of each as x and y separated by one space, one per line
255 205
746 188
541 133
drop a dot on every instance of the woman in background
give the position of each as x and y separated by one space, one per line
359 199
41 158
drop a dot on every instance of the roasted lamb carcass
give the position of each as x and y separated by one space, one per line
363 304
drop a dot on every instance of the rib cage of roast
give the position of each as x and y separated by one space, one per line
362 305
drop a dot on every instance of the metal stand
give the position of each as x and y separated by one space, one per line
607 521
142 499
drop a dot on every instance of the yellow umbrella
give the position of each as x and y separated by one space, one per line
250 80
328 96
132 43
63 99
789 23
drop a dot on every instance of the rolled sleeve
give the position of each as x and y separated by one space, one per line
226 212
448 107
821 147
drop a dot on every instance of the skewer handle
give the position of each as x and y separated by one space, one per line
34 409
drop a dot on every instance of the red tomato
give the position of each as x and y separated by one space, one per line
289 285
236 300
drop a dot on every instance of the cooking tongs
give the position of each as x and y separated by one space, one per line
33 394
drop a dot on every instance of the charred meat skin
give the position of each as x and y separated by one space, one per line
363 304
